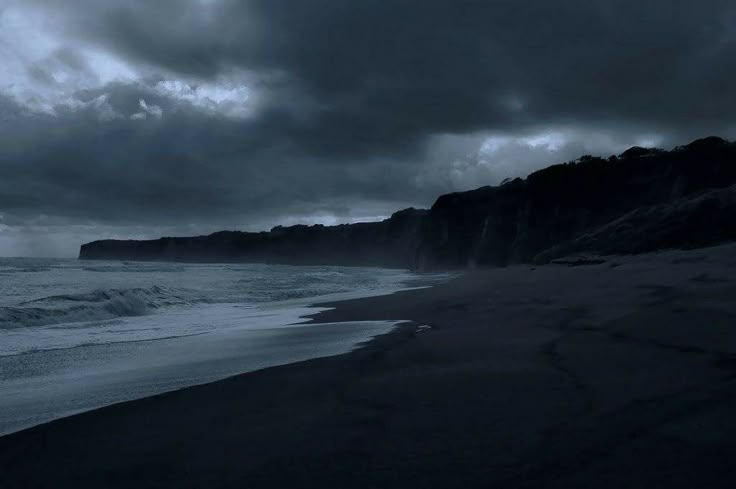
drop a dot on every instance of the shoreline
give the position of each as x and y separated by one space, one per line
618 374
72 369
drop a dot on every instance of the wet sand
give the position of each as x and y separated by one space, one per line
613 375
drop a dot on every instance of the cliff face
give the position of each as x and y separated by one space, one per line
549 213
689 222
389 243
519 220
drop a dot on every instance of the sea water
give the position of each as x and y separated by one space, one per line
78 335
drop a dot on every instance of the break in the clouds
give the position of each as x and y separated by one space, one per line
137 118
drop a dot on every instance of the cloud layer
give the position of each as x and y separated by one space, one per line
141 118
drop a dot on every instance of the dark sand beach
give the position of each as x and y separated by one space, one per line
620 374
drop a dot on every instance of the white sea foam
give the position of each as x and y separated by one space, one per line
79 335
51 304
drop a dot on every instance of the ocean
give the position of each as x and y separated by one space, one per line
78 335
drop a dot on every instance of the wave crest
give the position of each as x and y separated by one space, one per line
97 305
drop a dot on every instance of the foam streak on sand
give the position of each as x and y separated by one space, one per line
47 384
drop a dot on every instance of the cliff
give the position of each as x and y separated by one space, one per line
389 243
641 200
689 222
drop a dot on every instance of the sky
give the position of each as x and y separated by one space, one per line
137 119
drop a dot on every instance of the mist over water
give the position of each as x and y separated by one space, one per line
77 335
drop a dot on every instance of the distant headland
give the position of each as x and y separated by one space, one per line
642 200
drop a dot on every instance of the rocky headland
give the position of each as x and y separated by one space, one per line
642 200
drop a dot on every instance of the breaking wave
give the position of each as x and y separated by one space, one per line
98 305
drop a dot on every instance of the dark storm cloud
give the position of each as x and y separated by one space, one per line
407 68
371 104
184 163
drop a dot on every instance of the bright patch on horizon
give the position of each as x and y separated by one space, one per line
552 141
649 141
